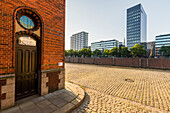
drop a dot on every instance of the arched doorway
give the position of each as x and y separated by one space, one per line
27 53
26 66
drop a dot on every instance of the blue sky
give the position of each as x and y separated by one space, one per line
106 19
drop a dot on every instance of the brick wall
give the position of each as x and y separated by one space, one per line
53 15
103 61
163 63
160 63
134 62
52 41
87 60
144 62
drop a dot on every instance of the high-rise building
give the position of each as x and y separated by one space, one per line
161 40
102 45
79 41
136 30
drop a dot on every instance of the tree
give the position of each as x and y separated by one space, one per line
75 53
114 51
106 52
124 52
66 53
70 52
165 51
86 52
138 51
97 52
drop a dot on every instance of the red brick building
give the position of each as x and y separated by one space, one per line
32 37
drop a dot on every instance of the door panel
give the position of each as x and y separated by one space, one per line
26 71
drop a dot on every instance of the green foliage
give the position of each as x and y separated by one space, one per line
124 52
97 52
75 53
70 52
138 51
106 52
165 51
86 52
114 51
66 53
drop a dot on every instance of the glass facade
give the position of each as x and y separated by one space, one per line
102 45
161 40
25 40
79 41
135 25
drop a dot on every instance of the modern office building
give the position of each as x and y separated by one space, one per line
79 41
102 45
144 44
136 29
121 44
161 40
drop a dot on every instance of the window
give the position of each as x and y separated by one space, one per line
26 22
26 40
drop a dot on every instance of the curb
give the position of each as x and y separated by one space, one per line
80 95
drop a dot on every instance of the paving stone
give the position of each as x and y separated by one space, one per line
49 108
69 98
59 102
57 92
27 106
34 110
12 110
149 88
65 108
49 95
38 99
43 103
52 102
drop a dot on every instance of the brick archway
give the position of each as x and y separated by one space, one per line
35 32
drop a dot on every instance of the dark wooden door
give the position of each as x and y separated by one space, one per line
26 71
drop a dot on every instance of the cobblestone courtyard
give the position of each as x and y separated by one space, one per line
121 89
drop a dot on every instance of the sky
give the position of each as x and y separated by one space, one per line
106 19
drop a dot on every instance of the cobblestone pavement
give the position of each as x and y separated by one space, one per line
133 86
96 102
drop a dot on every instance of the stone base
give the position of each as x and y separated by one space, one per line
50 82
7 91
44 84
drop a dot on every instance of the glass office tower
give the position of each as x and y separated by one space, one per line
136 26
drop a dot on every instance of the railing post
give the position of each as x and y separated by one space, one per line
140 63
147 62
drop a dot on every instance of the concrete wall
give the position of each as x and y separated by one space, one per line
158 63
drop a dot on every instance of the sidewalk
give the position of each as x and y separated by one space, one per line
61 101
